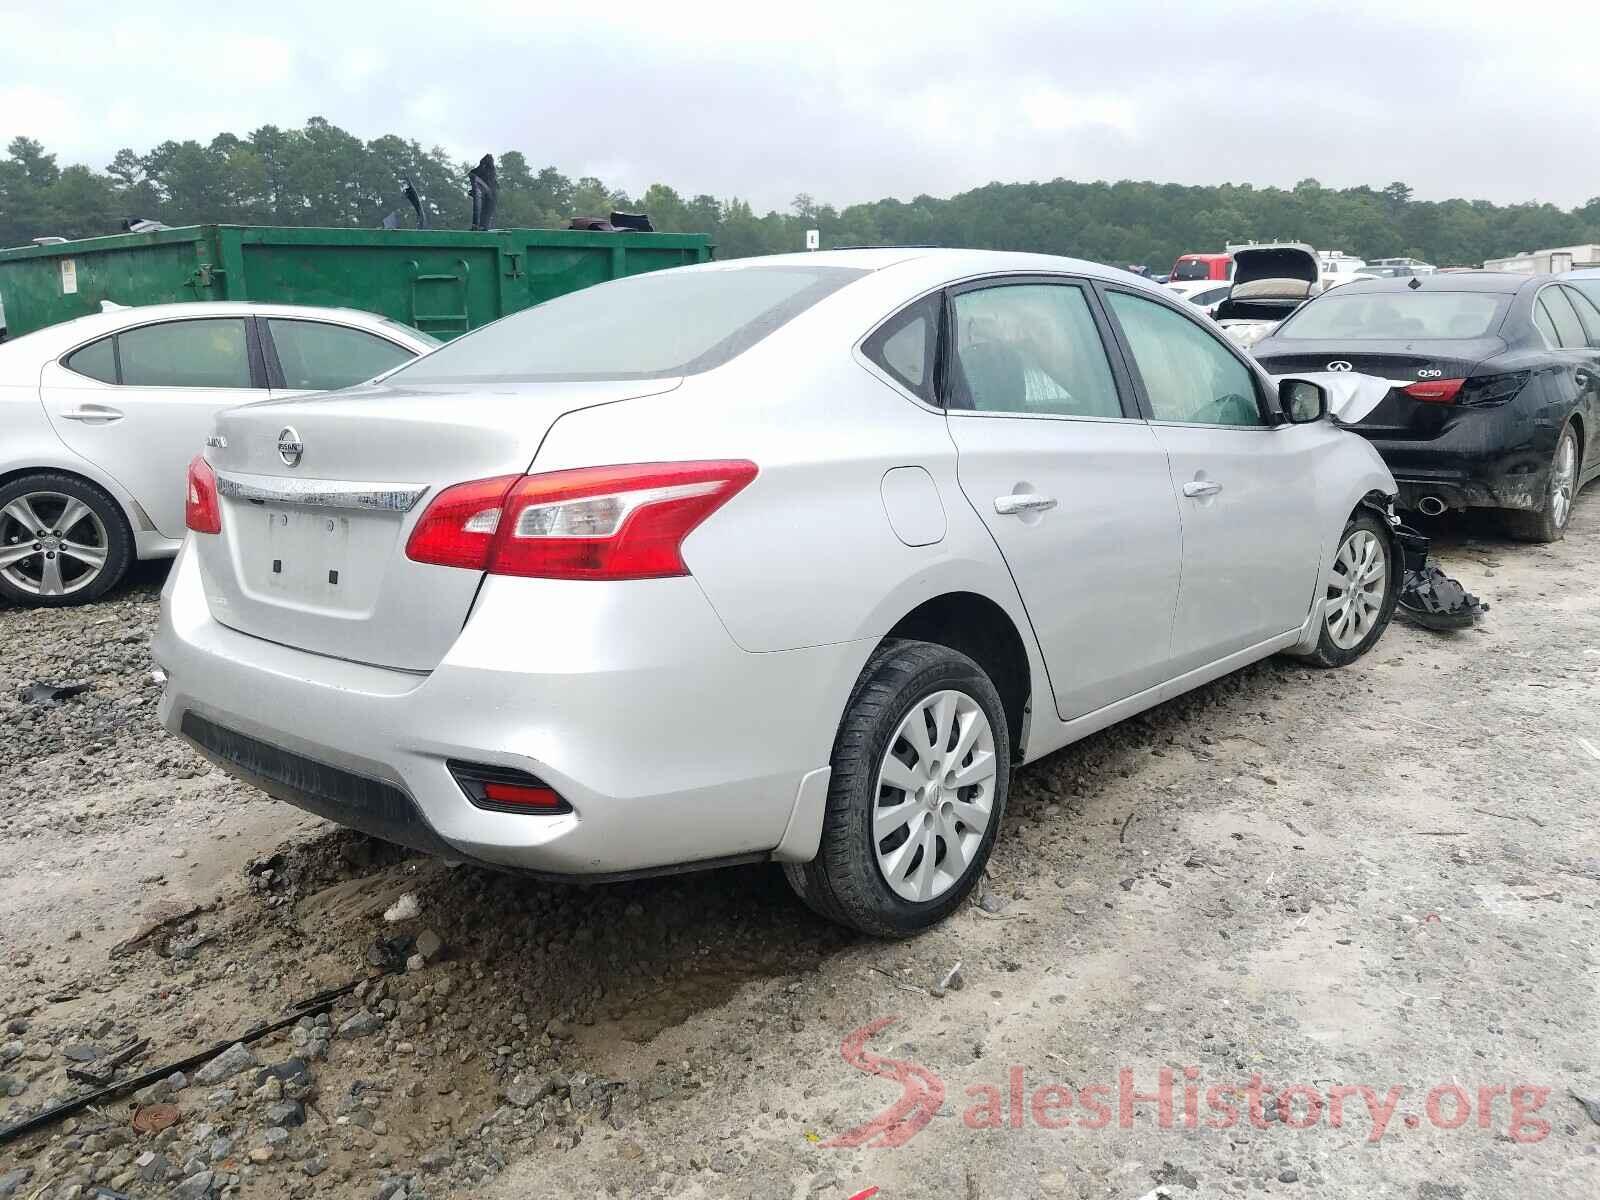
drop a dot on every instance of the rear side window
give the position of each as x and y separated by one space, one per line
1569 330
1589 289
1030 348
207 353
655 326
1188 374
1400 314
1545 322
1587 313
317 356
97 360
904 346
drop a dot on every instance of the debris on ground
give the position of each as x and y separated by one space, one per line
48 695
404 909
1431 599
1591 1104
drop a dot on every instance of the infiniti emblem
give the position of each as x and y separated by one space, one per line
290 447
1339 364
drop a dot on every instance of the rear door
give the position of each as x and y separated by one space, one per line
140 402
1244 487
1053 456
1579 341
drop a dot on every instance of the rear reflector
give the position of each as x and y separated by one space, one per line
202 511
1434 391
506 789
623 522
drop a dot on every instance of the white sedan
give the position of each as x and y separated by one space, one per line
789 559
102 414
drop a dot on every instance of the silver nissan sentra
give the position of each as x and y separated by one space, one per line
790 559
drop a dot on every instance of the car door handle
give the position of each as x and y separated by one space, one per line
1024 502
1201 487
92 413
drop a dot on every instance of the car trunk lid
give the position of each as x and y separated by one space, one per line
318 495
1401 364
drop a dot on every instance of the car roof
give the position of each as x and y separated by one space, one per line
1454 281
92 325
950 261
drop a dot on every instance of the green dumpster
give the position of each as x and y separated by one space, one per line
441 281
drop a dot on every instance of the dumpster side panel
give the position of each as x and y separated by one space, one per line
44 285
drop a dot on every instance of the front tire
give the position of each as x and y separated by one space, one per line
1363 587
1550 523
921 770
63 541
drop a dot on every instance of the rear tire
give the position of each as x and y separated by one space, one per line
923 760
1363 588
63 541
1549 524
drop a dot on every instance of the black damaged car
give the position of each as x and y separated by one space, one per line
1494 396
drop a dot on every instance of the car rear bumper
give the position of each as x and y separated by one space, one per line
672 745
1498 459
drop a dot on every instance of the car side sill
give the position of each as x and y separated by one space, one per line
1044 741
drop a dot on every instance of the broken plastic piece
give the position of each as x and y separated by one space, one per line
51 694
1435 601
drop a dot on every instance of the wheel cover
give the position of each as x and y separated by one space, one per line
1356 589
1563 474
51 544
935 796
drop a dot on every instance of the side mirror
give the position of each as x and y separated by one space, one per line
1302 401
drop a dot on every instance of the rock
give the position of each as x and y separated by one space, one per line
1288 1175
220 1149
404 909
429 944
226 1065
315 1165
152 1167
196 1187
11 1182
362 1024
992 903
289 1069
276 1136
271 1091
10 1052
437 1160
416 963
288 1113
1591 1105
80 1052
526 1095
261 1155
10 1085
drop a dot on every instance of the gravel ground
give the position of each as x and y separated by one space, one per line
1287 886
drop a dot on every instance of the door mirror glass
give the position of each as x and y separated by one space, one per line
1302 401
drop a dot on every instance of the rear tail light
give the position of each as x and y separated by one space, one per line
1434 391
625 522
506 789
1493 389
202 511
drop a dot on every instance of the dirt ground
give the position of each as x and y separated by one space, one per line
1293 890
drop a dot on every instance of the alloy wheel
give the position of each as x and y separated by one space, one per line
1356 588
51 544
1563 475
935 796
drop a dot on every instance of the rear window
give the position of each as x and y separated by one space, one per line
1384 316
653 326
1187 269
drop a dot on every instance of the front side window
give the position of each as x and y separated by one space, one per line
316 356
208 353
97 360
905 344
1188 375
1030 348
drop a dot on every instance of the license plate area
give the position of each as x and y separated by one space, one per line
313 557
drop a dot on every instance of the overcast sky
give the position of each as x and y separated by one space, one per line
851 101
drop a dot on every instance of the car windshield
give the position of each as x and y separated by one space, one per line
1379 316
654 326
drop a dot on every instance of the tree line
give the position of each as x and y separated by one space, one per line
322 175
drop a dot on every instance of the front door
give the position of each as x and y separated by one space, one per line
1244 487
1070 481
139 404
